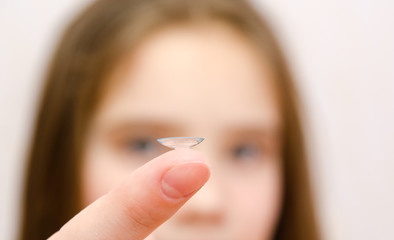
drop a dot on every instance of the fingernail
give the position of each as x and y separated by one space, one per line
183 180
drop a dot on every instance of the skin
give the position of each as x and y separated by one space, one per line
205 81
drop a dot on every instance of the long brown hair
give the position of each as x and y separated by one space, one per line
90 48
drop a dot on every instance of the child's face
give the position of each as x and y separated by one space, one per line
195 81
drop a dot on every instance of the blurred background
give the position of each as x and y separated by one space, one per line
342 55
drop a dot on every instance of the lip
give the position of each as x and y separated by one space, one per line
194 235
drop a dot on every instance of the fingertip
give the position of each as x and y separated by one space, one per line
187 155
183 180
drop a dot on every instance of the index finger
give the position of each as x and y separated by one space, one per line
143 201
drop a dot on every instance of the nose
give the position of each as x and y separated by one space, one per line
206 206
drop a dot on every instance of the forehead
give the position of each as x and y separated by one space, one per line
194 75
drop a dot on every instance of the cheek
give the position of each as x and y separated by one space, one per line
256 203
101 170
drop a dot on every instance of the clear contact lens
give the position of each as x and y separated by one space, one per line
180 142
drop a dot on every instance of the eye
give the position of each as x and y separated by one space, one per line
143 147
247 153
140 145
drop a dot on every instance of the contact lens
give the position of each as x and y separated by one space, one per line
180 142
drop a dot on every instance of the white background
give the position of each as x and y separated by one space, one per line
342 54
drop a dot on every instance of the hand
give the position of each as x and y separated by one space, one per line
144 200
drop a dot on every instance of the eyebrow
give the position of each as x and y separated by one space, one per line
163 128
257 132
158 127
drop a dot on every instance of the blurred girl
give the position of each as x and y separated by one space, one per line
127 72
